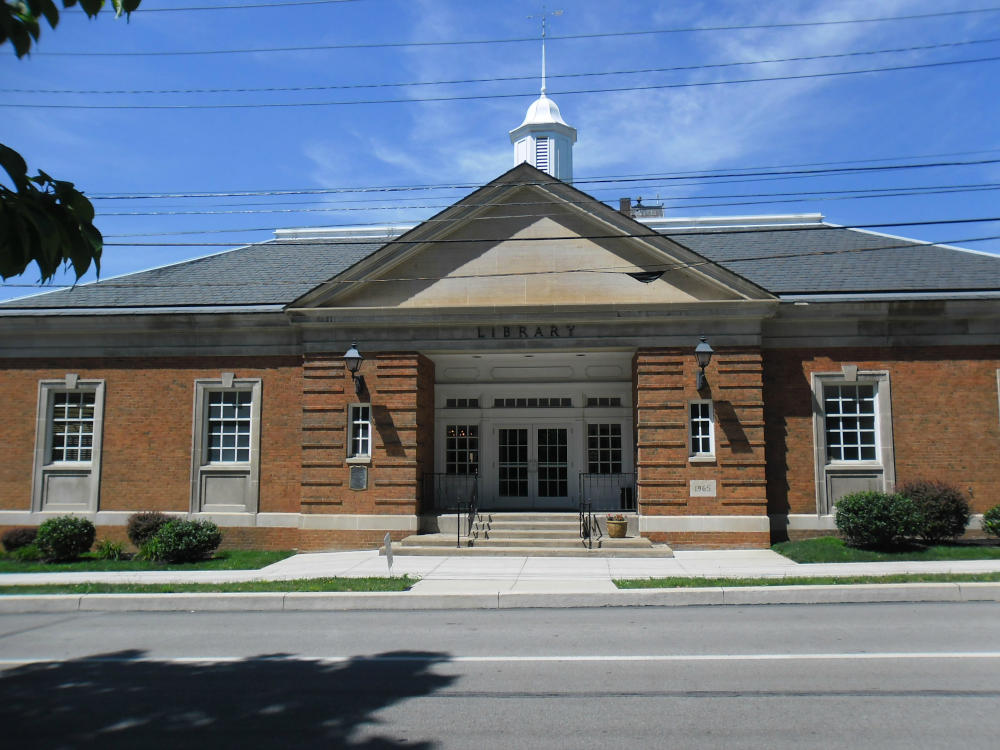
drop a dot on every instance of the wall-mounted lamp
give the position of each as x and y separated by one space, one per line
703 354
353 360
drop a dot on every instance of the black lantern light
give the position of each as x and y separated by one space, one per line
353 360
703 354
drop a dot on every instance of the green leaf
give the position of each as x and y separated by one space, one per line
14 165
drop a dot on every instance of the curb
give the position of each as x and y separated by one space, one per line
323 601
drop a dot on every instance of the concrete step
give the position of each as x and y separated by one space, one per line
570 526
535 542
528 517
656 550
534 533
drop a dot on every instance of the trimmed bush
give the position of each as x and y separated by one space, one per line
991 521
65 537
183 541
876 520
20 537
143 526
944 511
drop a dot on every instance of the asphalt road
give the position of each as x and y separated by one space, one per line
875 675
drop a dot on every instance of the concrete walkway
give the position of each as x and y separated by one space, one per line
548 579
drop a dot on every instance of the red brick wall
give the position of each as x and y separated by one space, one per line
146 457
664 384
397 388
944 418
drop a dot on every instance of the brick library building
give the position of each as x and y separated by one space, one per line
719 382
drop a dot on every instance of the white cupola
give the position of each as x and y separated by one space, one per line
544 140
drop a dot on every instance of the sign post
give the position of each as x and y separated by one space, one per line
388 551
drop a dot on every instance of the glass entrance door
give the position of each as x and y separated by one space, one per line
533 466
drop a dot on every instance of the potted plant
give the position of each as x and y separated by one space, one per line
617 525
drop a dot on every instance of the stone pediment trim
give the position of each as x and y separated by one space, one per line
660 249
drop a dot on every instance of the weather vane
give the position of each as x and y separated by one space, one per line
544 16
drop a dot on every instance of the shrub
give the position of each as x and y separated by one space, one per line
143 526
183 541
20 537
876 519
109 550
991 521
65 537
944 511
27 553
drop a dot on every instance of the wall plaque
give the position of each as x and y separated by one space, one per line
702 488
359 477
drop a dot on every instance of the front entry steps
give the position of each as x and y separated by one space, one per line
527 535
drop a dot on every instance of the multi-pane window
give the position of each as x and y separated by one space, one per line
361 431
700 426
512 452
540 402
850 422
604 401
552 452
229 425
73 426
604 448
461 444
461 403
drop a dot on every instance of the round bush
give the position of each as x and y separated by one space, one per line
20 537
183 541
944 511
143 526
65 537
876 520
991 521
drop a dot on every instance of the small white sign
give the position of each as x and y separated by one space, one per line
702 488
388 550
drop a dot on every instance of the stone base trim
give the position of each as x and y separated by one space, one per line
674 524
328 522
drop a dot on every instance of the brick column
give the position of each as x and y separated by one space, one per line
664 385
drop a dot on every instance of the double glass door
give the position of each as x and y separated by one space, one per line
532 466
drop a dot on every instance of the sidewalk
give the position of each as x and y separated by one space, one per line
500 582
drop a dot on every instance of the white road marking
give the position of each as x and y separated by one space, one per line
432 659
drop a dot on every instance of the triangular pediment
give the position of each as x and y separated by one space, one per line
527 239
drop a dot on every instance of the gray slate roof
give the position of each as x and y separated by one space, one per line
831 260
269 273
810 260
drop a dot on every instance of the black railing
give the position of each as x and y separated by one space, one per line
453 493
589 528
608 492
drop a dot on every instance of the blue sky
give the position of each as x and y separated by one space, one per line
944 113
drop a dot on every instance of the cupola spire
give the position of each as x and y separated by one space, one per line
544 140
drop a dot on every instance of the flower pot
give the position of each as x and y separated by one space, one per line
617 529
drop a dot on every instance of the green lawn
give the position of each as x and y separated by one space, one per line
830 549
234 559
690 583
402 583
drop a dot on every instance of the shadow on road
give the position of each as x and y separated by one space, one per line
118 700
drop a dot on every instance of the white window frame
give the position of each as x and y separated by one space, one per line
203 470
46 470
698 456
880 471
354 422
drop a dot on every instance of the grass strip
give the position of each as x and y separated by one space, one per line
232 559
396 583
830 549
677 582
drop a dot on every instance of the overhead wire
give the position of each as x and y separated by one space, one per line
482 97
532 39
665 267
504 79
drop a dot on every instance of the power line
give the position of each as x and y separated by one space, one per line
533 39
647 235
501 79
707 175
665 267
479 97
